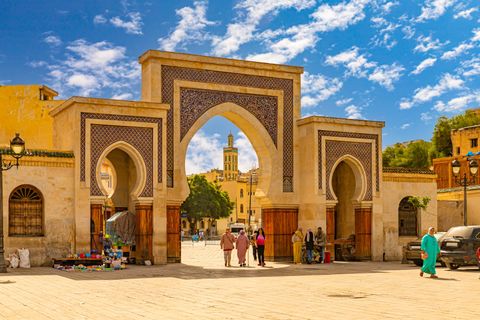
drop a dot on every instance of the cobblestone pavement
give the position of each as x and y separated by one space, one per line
201 288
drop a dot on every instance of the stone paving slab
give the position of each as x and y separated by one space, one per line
202 288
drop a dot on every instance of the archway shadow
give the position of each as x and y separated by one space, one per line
189 272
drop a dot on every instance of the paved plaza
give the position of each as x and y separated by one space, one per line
201 288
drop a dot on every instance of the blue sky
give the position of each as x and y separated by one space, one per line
402 62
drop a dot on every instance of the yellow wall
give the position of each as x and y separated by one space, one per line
23 112
461 138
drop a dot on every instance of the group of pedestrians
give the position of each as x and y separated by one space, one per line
228 242
311 241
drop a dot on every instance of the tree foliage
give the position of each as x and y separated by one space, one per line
442 144
419 202
418 154
411 155
206 200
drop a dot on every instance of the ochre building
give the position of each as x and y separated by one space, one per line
314 171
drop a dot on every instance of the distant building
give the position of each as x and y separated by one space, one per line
464 148
241 189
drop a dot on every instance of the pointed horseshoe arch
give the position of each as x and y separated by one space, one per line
141 169
359 173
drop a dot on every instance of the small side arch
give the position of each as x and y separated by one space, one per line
141 169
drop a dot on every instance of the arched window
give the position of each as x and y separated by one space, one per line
407 219
241 193
241 208
25 212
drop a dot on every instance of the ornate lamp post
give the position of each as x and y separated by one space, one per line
464 182
17 150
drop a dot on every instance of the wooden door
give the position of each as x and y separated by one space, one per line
363 233
173 234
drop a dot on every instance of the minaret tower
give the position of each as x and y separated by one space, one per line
230 160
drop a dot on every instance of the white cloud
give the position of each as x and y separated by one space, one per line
408 31
84 81
254 11
205 152
427 63
385 36
37 64
426 44
405 126
343 101
191 26
99 19
465 14
471 67
53 40
317 88
460 49
386 75
425 117
122 96
458 104
357 65
433 9
422 95
387 7
476 35
247 157
131 26
301 37
91 67
353 112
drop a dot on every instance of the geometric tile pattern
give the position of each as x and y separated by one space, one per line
140 138
195 102
172 73
362 151
325 133
115 117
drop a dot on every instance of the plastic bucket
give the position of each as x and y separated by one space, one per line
327 257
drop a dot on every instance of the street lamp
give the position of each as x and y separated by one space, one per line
17 150
464 182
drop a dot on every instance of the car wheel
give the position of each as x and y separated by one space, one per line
452 266
418 263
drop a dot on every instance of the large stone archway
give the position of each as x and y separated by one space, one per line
261 99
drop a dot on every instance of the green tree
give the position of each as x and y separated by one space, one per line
412 155
206 200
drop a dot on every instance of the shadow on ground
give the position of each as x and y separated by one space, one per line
186 272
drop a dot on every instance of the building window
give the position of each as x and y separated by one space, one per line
25 212
241 208
474 143
458 150
202 224
184 224
241 193
407 218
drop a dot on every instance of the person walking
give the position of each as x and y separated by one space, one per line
242 244
430 251
297 240
260 242
253 239
309 243
320 241
227 244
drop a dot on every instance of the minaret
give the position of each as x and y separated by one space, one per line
230 160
